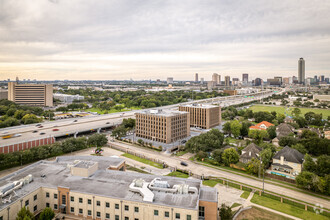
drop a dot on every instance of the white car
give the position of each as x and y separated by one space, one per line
5 132
17 135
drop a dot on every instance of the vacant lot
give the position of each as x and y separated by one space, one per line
258 213
287 111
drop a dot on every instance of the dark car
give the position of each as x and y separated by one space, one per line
75 120
34 131
42 133
108 123
38 125
184 163
183 142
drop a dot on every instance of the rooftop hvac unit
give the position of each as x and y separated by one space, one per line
161 184
154 111
138 182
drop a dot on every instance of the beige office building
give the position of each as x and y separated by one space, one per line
203 116
31 94
85 188
162 126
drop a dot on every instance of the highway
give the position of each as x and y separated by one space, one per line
75 125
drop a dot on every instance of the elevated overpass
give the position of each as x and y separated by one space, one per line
74 126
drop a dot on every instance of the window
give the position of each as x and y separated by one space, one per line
35 208
156 212
80 200
55 196
72 209
63 199
35 197
26 202
201 211
98 214
47 194
126 218
136 219
89 212
1 217
177 215
89 201
188 217
116 206
72 199
80 211
136 209
107 215
167 214
107 205
47 204
98 203
116 217
126 208
55 206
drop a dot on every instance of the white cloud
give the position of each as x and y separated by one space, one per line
154 39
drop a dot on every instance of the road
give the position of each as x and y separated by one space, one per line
200 170
72 126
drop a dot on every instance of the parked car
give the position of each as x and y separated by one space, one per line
184 163
42 133
35 131
17 135
184 141
40 126
108 123
75 120
55 129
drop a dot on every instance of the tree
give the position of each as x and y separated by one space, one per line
119 132
299 147
296 112
230 156
30 119
47 214
252 166
201 155
287 141
323 165
316 146
217 155
235 128
280 118
258 135
310 181
225 212
300 121
308 134
245 128
271 132
97 140
309 165
227 128
206 142
266 156
25 214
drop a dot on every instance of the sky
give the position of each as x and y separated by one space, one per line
151 39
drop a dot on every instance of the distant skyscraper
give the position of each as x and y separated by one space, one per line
257 82
315 78
196 77
202 80
235 81
322 78
227 80
219 80
301 71
17 79
245 77
326 80
215 78
169 80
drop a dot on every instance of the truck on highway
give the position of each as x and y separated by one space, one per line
7 136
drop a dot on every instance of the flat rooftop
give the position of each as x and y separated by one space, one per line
103 181
205 106
160 112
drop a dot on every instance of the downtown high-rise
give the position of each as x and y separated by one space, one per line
301 71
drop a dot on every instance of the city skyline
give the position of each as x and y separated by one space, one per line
109 40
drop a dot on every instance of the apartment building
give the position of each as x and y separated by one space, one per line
84 188
203 116
31 94
162 125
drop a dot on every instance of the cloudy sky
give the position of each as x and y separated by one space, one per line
141 39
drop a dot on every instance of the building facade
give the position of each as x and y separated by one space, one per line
245 78
203 116
196 77
84 188
162 126
31 94
301 71
169 80
227 81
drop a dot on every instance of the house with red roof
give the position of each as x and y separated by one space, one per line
261 126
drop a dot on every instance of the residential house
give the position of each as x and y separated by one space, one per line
284 130
317 131
276 141
287 162
261 126
327 134
289 119
251 151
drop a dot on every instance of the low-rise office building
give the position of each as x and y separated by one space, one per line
85 188
68 98
31 94
203 116
162 126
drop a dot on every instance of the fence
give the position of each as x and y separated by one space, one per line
282 178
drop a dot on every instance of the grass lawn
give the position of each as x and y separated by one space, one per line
285 208
180 153
245 194
230 140
142 160
128 167
99 111
283 110
178 174
260 214
235 205
211 183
